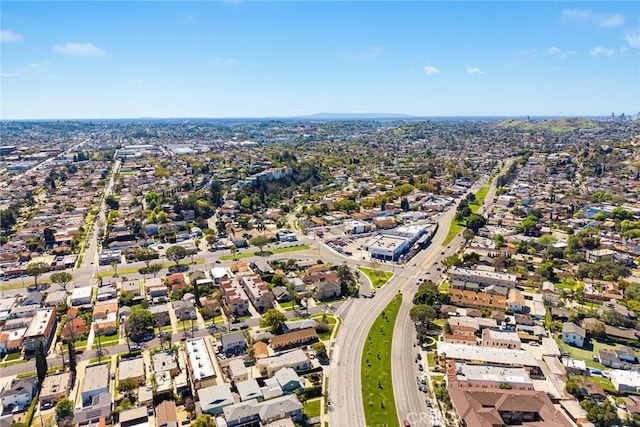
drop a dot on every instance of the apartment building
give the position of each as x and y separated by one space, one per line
41 329
261 297
235 297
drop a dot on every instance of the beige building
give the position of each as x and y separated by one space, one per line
500 339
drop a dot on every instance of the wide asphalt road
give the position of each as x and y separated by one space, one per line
345 391
410 402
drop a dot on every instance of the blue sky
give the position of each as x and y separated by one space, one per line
270 59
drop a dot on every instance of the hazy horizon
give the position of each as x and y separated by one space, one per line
227 59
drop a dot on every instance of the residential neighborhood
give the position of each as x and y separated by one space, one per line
253 273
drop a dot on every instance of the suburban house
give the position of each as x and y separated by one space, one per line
184 310
233 342
249 389
296 359
289 380
573 334
81 296
327 289
164 362
213 399
160 314
237 371
166 414
19 393
625 380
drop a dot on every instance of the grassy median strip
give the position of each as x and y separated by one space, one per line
268 252
455 227
377 385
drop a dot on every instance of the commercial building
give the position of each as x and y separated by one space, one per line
500 339
461 277
486 377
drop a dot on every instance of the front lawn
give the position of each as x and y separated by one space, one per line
377 385
312 408
378 277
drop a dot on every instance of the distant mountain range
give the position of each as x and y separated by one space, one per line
350 116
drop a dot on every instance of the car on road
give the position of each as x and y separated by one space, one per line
428 403
420 367
406 423
422 388
418 356
135 347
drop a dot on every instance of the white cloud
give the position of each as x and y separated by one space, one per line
34 65
633 38
134 82
624 50
556 51
9 75
78 49
601 51
600 19
474 70
430 70
7 36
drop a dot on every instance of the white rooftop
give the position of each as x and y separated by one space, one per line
199 358
486 354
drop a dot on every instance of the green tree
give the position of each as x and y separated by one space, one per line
499 241
49 236
320 350
467 235
64 413
176 253
573 388
427 294
36 269
602 415
154 269
347 280
72 357
139 323
422 313
145 255
260 241
475 222
127 385
204 420
528 224
41 363
274 320
62 278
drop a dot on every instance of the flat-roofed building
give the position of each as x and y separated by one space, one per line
55 388
460 277
41 329
237 371
199 362
132 368
625 380
164 362
81 296
487 355
96 381
486 376
500 339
